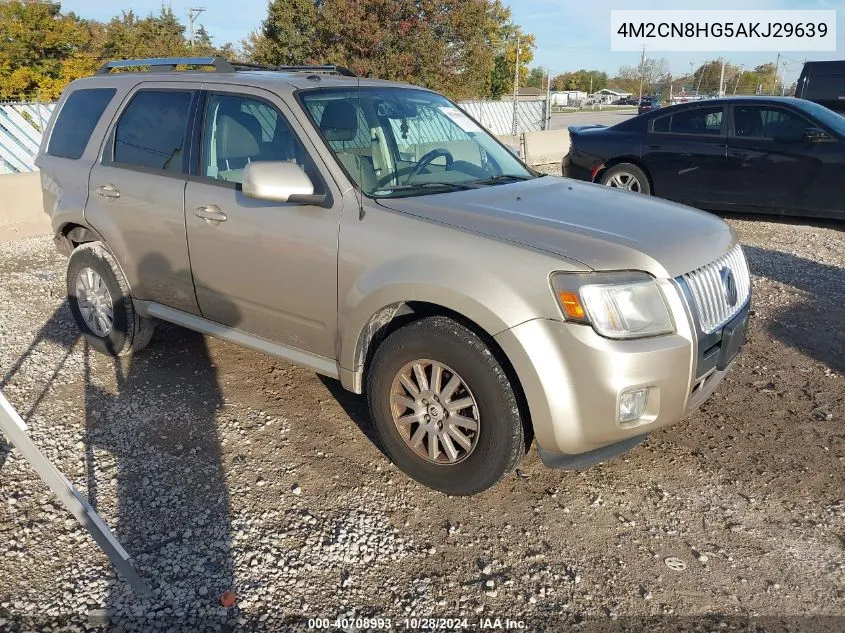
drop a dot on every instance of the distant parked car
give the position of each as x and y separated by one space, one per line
759 154
647 105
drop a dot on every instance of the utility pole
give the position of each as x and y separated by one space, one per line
738 77
548 99
193 14
642 71
775 82
516 89
722 80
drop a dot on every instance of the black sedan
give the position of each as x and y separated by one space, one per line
759 154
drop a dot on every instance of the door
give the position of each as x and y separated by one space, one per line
136 194
775 167
685 152
265 268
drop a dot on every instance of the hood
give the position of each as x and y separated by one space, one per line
599 227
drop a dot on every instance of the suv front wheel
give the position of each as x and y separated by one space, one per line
444 409
101 305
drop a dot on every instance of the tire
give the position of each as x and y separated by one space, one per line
129 332
624 173
499 442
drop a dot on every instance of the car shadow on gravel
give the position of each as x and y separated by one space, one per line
355 406
154 470
815 324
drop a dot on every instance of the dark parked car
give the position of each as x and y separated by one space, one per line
760 154
824 83
647 105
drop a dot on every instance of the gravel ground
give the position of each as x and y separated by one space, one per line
223 470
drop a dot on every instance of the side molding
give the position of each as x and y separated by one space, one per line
319 364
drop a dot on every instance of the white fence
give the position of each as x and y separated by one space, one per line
21 125
20 134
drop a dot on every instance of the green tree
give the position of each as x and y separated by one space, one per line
449 45
536 78
41 50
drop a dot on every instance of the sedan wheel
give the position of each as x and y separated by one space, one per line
624 180
628 177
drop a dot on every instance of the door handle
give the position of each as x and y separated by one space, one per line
211 214
108 191
655 146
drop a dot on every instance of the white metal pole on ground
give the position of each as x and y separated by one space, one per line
722 80
15 429
548 100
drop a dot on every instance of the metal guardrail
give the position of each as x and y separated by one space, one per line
21 131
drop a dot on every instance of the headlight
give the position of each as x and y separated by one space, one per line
617 305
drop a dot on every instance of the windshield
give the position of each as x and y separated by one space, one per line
400 141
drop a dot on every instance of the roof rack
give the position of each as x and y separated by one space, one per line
219 64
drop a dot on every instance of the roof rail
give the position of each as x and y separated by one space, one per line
328 69
219 64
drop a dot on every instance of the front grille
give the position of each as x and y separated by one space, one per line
709 292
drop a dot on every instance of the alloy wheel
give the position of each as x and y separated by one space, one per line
94 302
435 412
624 180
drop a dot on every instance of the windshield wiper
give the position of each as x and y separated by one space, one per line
500 179
426 185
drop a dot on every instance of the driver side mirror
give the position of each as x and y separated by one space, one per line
814 135
279 181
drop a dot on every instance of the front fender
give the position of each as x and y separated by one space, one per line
484 296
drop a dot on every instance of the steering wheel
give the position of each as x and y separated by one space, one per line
426 160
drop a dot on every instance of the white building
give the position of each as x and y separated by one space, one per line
607 96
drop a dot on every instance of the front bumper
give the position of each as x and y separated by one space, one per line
572 379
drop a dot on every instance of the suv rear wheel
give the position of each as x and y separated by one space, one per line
101 305
443 408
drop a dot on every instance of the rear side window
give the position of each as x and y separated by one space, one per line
77 120
701 121
151 131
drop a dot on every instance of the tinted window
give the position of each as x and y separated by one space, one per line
239 131
770 123
77 120
151 131
662 124
697 121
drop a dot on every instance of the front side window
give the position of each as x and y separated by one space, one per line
402 141
151 131
77 120
241 130
765 122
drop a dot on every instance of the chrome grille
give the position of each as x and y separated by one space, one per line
709 293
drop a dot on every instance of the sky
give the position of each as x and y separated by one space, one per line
571 34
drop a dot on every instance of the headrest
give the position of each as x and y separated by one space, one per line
339 121
234 138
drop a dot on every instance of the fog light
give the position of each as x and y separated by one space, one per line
632 404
